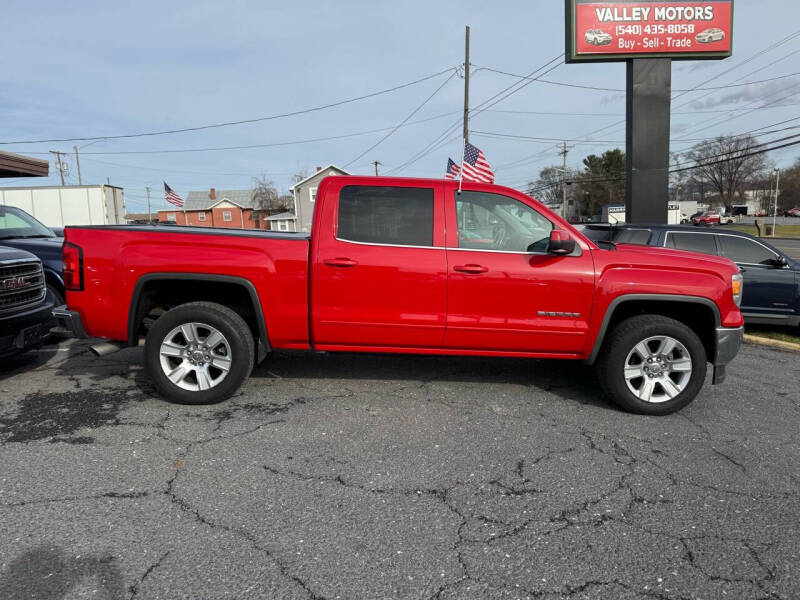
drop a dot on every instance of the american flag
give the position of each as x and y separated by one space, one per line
452 169
171 197
475 166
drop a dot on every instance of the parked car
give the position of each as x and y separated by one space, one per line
20 230
405 266
597 37
793 212
710 35
771 277
26 309
711 217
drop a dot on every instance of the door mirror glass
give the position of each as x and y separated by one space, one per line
561 242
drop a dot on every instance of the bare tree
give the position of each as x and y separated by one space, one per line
727 164
265 197
547 189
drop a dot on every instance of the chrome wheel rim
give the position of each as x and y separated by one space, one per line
195 356
658 369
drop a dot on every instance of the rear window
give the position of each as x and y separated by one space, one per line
693 242
386 215
632 236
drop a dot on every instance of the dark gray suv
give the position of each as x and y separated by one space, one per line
771 278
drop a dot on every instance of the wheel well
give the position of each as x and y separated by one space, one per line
154 297
699 317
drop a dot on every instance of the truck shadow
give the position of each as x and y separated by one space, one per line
570 380
47 573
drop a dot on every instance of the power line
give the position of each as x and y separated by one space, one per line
605 89
270 145
404 121
241 122
443 138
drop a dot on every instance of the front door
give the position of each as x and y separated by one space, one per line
380 268
769 290
505 292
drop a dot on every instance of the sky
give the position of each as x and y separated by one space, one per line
89 69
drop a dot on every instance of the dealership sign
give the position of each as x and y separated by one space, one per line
636 29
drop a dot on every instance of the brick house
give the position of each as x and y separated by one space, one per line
216 208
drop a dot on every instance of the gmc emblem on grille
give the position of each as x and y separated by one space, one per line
15 283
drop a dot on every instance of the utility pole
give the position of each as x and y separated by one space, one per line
60 165
563 152
148 205
466 88
78 164
376 163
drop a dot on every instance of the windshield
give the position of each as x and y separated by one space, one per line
16 223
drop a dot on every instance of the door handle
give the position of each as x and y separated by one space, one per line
340 262
472 269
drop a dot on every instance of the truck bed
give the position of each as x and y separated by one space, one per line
120 260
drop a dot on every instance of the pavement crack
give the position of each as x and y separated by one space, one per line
134 589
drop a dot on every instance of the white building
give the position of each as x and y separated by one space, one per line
69 205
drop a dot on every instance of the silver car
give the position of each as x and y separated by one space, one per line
597 37
710 35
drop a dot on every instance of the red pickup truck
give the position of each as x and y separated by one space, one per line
405 266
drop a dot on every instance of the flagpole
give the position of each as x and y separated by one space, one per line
461 170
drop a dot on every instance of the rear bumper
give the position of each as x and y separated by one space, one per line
728 342
70 322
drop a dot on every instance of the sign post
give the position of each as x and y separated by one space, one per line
648 35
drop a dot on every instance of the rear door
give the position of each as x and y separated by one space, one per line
505 292
769 290
379 273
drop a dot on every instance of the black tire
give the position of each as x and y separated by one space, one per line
621 341
229 324
58 297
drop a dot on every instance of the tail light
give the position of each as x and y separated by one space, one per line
72 272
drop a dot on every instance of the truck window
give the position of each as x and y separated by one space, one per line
694 242
495 222
742 250
397 216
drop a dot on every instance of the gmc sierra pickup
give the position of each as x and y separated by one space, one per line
406 266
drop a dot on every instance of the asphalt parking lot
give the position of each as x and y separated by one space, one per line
394 477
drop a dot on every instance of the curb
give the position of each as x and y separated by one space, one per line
770 343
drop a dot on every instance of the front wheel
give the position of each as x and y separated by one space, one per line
652 365
199 353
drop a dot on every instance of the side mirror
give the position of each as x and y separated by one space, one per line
781 262
561 242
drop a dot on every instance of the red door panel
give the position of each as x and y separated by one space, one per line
374 293
521 302
504 291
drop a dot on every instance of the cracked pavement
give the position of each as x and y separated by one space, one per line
359 476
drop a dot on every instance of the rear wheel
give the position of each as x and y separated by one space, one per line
199 353
652 365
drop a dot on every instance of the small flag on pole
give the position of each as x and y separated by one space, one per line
171 197
453 169
475 166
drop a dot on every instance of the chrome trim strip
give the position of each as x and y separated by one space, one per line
444 248
711 232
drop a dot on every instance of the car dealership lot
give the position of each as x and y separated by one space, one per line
349 476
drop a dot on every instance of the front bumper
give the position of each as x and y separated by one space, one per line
26 330
728 342
69 322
